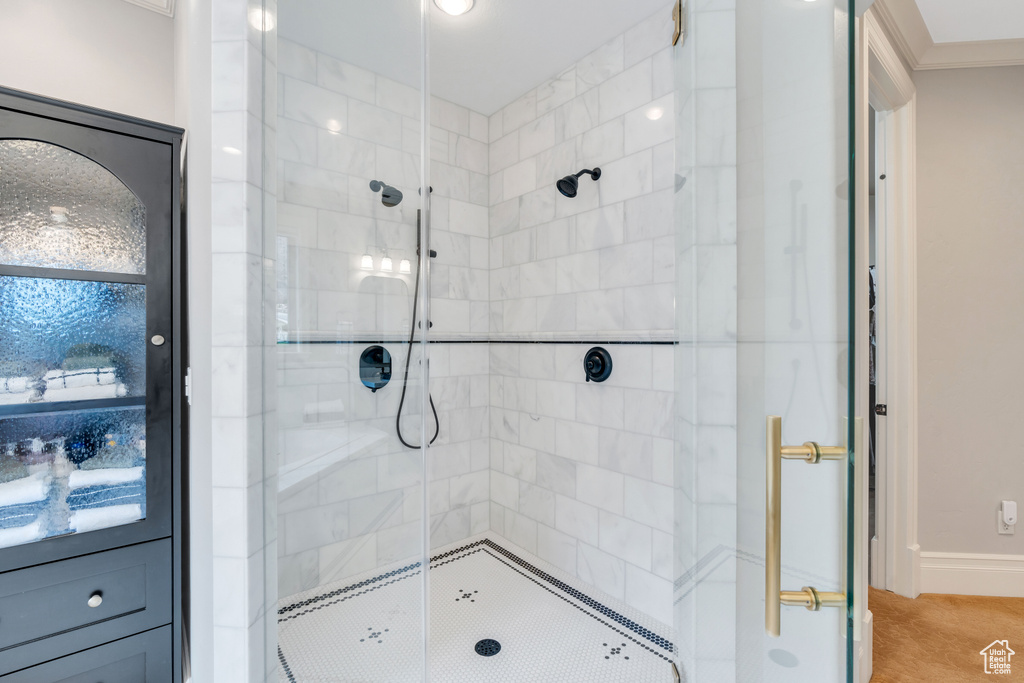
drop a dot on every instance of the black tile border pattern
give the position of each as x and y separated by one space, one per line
346 593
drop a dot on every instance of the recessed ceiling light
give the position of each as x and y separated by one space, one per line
334 126
654 113
232 150
454 7
261 19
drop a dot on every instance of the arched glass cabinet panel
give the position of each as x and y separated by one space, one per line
59 209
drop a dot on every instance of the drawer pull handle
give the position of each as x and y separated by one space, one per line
96 599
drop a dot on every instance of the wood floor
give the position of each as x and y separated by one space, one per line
937 638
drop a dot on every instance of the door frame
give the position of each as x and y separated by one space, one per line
884 83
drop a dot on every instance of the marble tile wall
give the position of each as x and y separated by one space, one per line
581 473
242 541
339 127
601 262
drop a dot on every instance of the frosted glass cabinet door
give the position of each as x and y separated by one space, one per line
85 339
59 209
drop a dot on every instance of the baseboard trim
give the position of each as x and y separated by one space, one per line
972 574
865 654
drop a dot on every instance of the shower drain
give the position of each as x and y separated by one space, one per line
488 647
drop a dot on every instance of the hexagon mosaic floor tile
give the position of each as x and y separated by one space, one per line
497 614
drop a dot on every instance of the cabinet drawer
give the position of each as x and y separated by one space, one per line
62 607
143 658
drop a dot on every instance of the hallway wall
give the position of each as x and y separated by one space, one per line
970 170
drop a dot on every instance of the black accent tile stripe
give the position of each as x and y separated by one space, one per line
348 592
562 597
662 642
346 589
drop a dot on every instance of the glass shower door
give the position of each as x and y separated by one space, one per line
764 464
346 350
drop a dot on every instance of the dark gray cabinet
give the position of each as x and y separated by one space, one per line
92 405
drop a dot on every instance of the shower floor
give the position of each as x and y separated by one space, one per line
551 627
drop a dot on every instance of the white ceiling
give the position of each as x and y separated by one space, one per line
483 59
954 21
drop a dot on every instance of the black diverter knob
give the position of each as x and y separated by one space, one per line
597 364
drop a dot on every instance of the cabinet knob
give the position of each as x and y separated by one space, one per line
158 340
96 599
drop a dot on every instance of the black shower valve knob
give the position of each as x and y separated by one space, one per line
597 364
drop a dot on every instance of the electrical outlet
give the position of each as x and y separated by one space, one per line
1007 519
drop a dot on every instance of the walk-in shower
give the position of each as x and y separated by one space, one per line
551 482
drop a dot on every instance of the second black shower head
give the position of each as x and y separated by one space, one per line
389 196
570 183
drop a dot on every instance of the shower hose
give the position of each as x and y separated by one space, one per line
408 354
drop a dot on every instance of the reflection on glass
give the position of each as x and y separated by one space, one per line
67 340
70 472
59 209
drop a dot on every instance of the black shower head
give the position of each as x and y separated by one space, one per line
570 183
389 196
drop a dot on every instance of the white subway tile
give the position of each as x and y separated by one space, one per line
600 487
576 441
576 519
308 103
627 91
556 474
651 124
626 178
601 145
536 136
556 91
557 548
346 79
649 593
398 97
600 569
521 530
504 490
626 452
520 112
600 65
537 503
626 539
519 179
649 503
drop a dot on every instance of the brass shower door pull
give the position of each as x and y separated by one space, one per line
811 453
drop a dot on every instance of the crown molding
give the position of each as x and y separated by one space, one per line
164 7
902 20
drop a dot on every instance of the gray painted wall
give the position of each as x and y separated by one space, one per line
970 165
103 53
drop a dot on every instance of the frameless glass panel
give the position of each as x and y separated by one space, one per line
342 234
70 340
763 227
59 209
71 472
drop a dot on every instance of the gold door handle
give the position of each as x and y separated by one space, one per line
809 597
